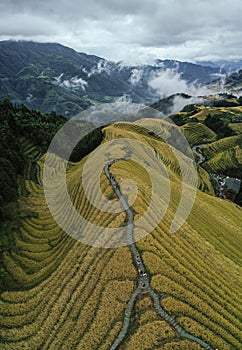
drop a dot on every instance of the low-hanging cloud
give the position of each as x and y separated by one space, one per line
169 81
136 76
102 66
180 102
72 83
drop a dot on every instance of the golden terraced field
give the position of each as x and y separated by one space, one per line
224 156
66 295
197 133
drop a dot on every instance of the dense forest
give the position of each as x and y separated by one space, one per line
17 123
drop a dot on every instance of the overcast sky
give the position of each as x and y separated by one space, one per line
136 31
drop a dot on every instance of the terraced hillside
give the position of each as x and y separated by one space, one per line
66 295
212 149
236 127
214 132
228 162
197 133
224 156
198 112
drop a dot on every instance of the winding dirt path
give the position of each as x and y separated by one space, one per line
201 157
144 284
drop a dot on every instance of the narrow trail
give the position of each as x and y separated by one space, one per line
201 157
144 284
201 160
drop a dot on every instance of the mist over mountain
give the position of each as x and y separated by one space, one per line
52 77
234 82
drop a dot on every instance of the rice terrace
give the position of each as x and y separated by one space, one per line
165 291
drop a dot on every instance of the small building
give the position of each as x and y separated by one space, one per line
231 188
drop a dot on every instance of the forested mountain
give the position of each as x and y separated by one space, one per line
52 77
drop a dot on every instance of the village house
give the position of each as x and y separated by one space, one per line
231 188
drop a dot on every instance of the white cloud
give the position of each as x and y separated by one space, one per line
136 76
58 79
169 82
72 83
102 66
79 82
180 102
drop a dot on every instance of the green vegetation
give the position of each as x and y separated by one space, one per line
24 136
205 181
220 129
51 77
236 127
219 124
197 133
224 156
165 105
87 144
19 124
228 162
212 149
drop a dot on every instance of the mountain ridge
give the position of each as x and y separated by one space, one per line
53 77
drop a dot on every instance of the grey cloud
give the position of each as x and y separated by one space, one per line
133 30
27 24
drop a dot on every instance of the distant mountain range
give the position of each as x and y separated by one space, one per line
52 77
224 65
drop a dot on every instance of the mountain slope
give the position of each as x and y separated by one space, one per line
224 65
52 77
197 133
234 81
191 72
74 296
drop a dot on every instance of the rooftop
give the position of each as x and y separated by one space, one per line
232 184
